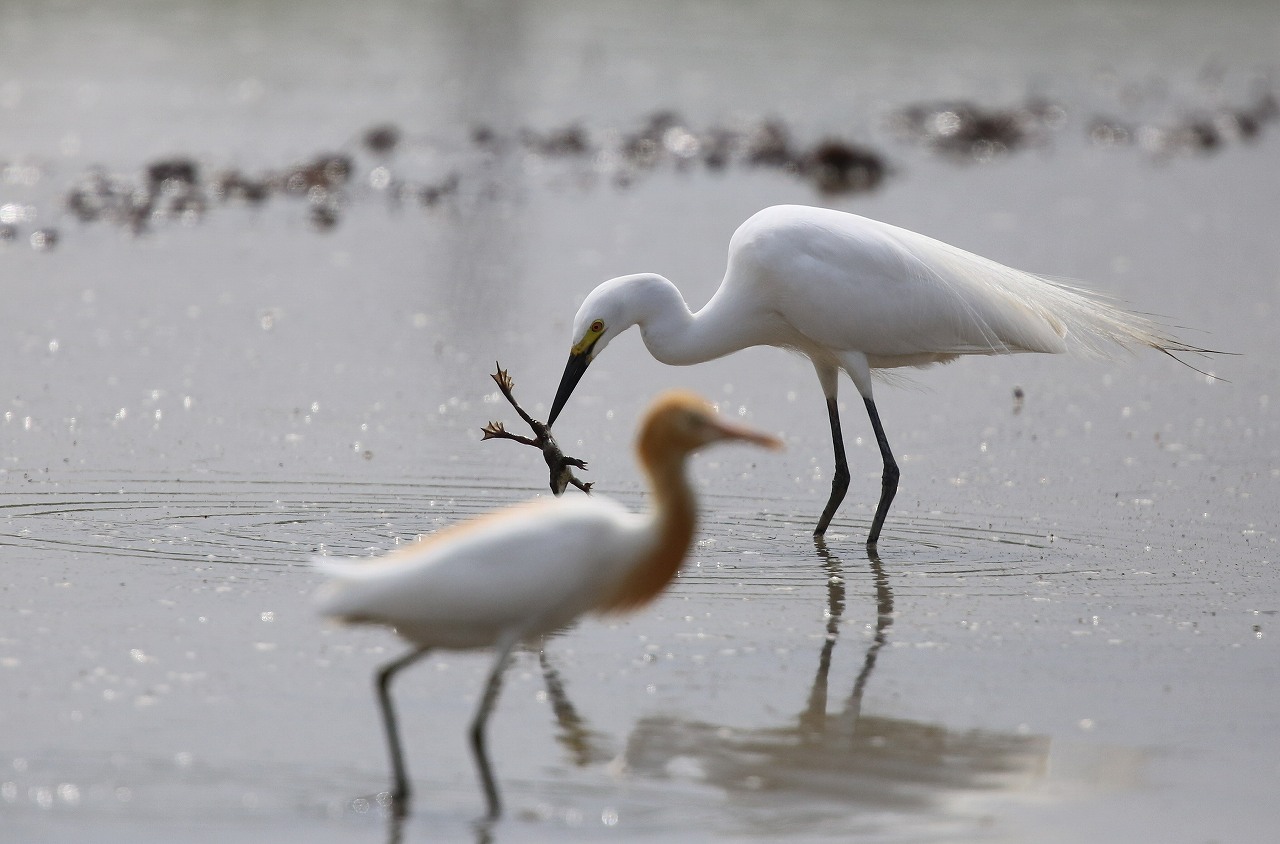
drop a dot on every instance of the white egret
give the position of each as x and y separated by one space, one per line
527 570
856 295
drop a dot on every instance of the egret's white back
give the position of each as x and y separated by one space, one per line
842 282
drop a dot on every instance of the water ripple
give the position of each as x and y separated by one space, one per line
748 546
269 523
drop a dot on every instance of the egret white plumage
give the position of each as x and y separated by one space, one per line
521 572
854 295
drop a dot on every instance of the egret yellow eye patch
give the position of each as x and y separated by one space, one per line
589 339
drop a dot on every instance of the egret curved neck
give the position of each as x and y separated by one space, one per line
673 334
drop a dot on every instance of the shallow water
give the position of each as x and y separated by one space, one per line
1068 634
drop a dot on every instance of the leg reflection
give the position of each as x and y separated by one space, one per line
884 620
876 764
814 717
585 746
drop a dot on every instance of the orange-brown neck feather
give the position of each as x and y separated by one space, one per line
675 519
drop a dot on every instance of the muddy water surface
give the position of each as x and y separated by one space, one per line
1069 631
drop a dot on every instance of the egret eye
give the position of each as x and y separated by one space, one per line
597 327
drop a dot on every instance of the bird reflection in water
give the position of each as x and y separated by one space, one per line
844 757
584 745
814 718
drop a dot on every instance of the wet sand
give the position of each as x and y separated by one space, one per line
1068 633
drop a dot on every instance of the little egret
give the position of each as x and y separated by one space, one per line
856 295
527 570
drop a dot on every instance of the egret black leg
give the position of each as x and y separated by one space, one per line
400 789
840 480
490 696
888 481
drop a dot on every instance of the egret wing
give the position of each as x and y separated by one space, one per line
849 283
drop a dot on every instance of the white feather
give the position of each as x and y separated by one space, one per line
535 566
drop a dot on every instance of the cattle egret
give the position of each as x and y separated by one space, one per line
854 295
527 570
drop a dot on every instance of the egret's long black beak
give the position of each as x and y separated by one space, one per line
573 370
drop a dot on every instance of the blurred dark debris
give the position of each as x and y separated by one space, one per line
833 165
172 174
321 182
768 144
169 189
323 215
1200 132
235 186
664 139
383 139
967 132
1107 132
430 195
43 240
176 189
837 167
385 164
717 148
568 141
484 137
133 204
329 172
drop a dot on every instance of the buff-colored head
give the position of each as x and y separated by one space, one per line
679 423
